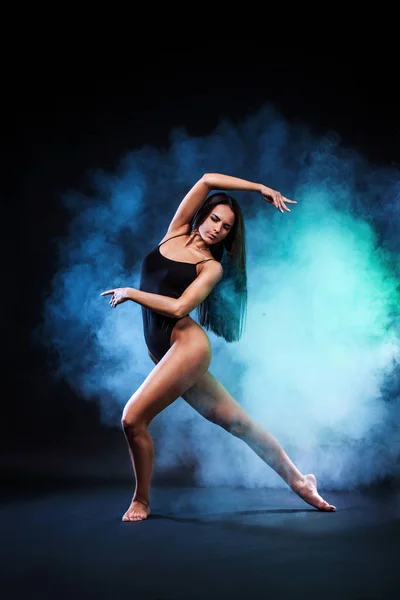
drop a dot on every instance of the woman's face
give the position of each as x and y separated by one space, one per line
218 224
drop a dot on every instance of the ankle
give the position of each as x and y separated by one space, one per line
297 482
141 499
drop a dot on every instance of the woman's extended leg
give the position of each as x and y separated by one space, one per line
209 397
183 364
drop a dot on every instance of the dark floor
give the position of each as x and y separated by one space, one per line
69 542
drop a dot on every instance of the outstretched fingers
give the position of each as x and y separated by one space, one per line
281 203
114 301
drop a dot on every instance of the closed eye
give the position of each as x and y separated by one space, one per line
216 219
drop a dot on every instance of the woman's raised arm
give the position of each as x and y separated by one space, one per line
216 181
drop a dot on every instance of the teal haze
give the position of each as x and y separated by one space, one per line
318 363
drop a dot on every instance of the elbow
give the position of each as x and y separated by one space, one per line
181 311
207 180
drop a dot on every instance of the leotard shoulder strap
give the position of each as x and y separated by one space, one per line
171 238
179 235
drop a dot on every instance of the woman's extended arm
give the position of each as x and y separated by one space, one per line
194 294
216 181
164 305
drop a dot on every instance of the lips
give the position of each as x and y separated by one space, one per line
212 236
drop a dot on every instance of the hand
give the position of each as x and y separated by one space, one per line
119 295
276 198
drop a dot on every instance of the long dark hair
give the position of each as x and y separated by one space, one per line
225 308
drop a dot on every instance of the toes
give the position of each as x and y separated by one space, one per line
134 517
138 517
328 507
128 518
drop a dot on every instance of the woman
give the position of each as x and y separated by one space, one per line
184 276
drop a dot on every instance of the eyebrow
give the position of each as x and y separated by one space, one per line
215 215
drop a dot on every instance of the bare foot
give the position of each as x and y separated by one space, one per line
307 490
138 511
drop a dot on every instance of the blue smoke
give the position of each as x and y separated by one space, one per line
318 365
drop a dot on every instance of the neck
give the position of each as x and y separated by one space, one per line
199 242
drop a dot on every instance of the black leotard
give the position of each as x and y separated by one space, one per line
162 275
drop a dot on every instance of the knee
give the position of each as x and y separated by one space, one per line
133 423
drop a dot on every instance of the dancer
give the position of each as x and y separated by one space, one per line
182 273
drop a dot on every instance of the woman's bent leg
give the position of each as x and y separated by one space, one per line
183 364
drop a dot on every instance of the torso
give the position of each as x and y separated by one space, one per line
178 248
162 276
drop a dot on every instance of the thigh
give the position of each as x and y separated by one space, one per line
213 401
184 363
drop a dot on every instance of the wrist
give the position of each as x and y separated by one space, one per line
129 293
264 189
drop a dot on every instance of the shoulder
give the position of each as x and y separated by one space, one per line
213 269
176 231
